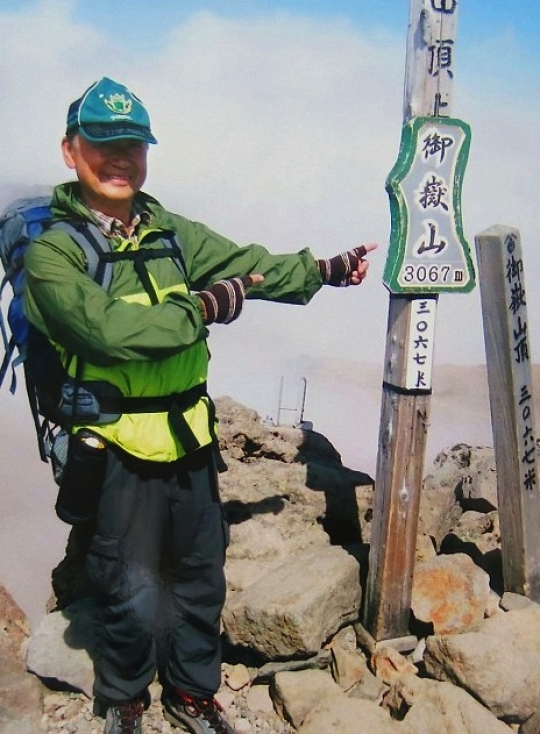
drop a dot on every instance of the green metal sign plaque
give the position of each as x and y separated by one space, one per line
428 252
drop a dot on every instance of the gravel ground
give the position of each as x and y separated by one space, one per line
250 711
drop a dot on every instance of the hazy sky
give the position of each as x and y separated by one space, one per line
278 122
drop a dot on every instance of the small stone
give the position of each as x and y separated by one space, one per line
259 701
242 726
225 698
370 688
59 713
72 708
348 667
237 677
388 664
53 701
417 654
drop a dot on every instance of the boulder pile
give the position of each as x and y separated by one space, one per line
296 657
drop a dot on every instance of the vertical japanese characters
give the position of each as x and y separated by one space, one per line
517 307
421 345
441 57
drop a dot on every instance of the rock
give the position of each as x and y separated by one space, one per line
320 661
14 626
389 664
20 694
298 518
58 650
439 507
417 655
242 726
258 699
478 487
296 694
463 478
286 614
364 639
497 662
370 688
237 677
485 552
431 707
271 515
514 601
425 548
349 716
472 525
313 703
494 604
450 592
348 665
532 725
242 432
62 709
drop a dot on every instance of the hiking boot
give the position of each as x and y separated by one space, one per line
195 715
125 718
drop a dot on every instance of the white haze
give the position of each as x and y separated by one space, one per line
283 131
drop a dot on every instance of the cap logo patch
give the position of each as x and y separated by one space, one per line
119 104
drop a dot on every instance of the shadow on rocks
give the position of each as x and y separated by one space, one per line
238 511
325 472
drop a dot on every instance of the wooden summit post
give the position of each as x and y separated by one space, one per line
427 255
506 335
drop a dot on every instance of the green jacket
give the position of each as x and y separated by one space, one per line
147 350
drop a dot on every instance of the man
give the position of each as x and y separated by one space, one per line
159 536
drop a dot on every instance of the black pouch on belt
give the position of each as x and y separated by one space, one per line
82 478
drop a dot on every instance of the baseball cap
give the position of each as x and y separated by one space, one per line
109 111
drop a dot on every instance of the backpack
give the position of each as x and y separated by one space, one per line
45 376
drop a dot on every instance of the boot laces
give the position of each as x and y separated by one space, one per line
129 714
209 708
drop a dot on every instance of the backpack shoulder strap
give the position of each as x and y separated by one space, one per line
100 257
171 241
95 245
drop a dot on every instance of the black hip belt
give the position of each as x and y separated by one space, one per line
99 403
158 404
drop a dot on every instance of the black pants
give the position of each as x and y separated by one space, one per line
156 561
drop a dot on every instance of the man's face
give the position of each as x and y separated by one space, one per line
110 173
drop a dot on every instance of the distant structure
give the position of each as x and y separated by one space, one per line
291 405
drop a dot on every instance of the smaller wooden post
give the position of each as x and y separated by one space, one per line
504 310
